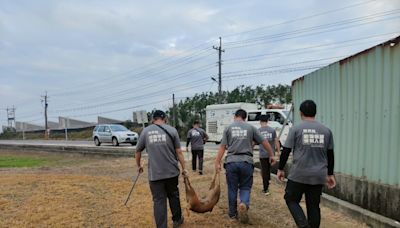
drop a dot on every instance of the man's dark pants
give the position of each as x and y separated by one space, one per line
265 172
197 154
239 177
161 190
293 193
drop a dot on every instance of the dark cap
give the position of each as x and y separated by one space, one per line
159 114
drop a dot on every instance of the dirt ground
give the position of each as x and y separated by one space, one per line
80 191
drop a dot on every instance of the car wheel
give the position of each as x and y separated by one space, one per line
115 141
97 142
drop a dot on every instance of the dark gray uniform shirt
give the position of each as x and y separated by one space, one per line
163 162
270 134
239 137
196 136
309 141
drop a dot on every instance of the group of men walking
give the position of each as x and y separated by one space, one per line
312 166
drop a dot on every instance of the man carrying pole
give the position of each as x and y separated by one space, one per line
164 152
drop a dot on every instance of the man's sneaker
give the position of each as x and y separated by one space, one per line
178 223
201 172
243 214
233 219
266 192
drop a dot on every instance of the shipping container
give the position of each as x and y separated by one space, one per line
358 98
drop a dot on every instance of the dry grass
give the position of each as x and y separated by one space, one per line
92 194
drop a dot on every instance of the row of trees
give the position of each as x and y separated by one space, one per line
194 107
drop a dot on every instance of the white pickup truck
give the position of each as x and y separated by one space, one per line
219 116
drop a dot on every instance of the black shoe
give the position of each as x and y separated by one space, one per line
178 223
201 172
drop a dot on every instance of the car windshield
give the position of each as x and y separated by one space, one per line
118 128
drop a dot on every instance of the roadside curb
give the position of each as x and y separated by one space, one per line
370 218
84 150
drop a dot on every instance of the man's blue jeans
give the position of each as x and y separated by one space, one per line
239 176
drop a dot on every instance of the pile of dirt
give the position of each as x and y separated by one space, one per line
94 195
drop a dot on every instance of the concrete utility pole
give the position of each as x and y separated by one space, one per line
66 128
11 117
46 127
220 50
174 110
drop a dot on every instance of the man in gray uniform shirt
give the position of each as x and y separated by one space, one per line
197 137
313 163
164 151
270 134
239 165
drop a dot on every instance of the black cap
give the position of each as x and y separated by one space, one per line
159 114
264 118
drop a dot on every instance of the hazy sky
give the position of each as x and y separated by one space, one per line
109 58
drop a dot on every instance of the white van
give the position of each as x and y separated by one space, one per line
218 117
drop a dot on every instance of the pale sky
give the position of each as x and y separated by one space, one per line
110 58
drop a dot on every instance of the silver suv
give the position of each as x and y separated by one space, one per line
113 133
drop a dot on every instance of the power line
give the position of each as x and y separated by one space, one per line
150 85
245 75
283 65
371 1
201 69
317 27
273 39
303 30
302 18
251 58
330 30
144 74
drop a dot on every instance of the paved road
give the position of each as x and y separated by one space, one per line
209 146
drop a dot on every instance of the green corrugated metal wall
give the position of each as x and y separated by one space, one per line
359 99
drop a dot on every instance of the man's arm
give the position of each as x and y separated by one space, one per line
206 136
282 162
138 156
277 145
331 181
187 144
268 147
331 162
221 152
188 138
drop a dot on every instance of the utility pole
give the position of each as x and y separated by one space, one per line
174 110
46 131
66 128
11 117
220 50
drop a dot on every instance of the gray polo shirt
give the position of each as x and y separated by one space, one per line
162 159
309 141
270 134
196 136
239 137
